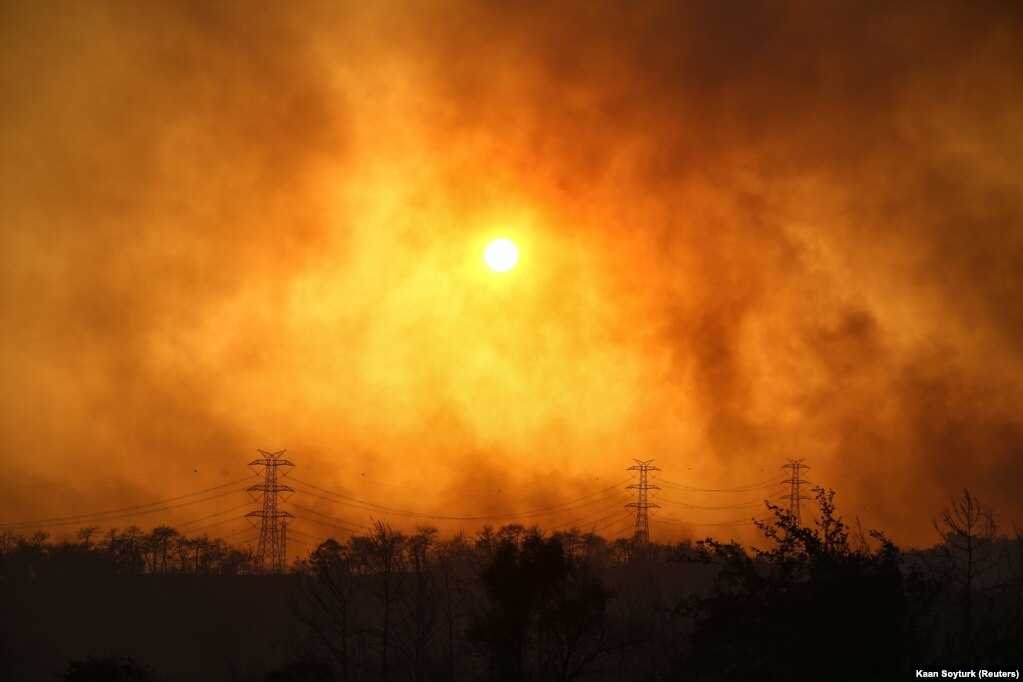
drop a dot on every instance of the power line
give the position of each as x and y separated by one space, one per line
213 516
302 542
311 537
620 528
137 506
765 484
355 526
238 532
193 531
115 479
373 506
609 517
576 522
272 542
111 515
685 505
543 511
679 522
328 524
363 478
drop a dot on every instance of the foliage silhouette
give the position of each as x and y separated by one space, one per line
809 608
325 604
128 552
515 603
302 671
109 669
545 612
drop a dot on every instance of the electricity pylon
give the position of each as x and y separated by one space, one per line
795 482
642 503
272 549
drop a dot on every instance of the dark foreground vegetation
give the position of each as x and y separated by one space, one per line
820 602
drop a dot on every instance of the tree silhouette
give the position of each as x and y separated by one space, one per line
86 534
515 603
809 608
544 615
1014 582
162 543
110 669
456 569
326 603
381 555
420 598
130 550
968 530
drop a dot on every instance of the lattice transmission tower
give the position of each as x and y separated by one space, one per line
643 503
795 482
273 523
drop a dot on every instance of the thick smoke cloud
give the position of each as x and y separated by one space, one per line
749 233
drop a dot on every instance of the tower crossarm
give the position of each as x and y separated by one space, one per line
272 548
643 505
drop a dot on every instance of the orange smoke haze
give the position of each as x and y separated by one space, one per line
794 230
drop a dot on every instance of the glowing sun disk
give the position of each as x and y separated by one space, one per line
501 255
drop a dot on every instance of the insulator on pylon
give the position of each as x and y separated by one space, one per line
271 552
642 505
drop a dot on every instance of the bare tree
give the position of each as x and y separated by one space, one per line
457 568
109 544
131 550
1014 580
86 534
8 541
382 554
326 603
421 595
161 544
967 529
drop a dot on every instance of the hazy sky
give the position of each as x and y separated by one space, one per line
749 231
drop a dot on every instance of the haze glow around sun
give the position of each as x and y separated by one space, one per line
501 255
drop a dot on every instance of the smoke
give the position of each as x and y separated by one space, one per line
747 234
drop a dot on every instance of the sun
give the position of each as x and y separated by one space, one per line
501 255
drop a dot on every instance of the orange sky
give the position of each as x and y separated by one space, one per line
790 231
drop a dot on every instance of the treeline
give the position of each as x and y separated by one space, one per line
164 549
822 601
131 551
512 603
